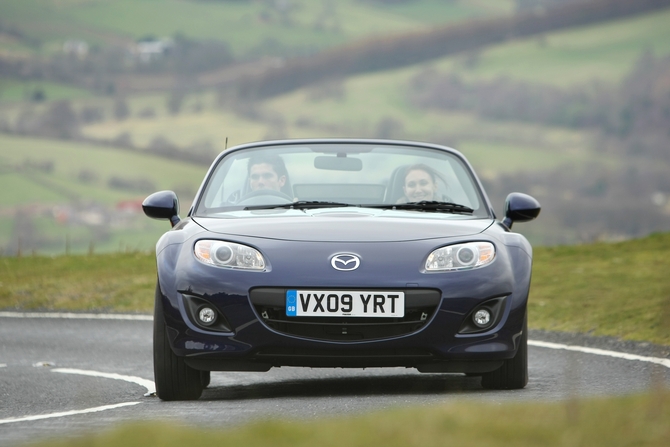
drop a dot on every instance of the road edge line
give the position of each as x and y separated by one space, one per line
603 352
148 384
67 413
77 316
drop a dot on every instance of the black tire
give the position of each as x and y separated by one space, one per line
205 378
174 379
513 374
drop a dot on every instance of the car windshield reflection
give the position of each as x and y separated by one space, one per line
330 175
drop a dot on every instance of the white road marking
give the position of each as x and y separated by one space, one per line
66 413
43 364
151 387
148 384
76 316
618 355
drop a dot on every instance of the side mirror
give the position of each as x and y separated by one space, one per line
520 208
162 205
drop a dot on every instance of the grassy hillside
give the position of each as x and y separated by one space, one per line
15 91
604 52
70 159
245 25
358 105
58 197
371 105
620 290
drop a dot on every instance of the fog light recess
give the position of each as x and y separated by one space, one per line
483 317
207 316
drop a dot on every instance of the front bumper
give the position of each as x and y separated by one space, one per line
254 345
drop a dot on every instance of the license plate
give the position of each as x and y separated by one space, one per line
326 303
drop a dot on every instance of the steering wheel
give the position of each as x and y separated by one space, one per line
247 199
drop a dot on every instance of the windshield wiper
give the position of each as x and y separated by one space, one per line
439 207
300 205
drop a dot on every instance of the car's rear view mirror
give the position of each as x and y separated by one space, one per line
338 163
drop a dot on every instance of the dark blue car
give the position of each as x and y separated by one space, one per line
340 253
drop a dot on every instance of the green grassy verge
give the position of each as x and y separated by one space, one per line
620 290
120 282
615 422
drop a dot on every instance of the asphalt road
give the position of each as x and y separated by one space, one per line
61 377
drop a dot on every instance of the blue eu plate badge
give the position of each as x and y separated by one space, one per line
291 303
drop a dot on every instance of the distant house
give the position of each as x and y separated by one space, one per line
148 50
130 206
77 48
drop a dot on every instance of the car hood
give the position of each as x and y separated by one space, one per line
343 225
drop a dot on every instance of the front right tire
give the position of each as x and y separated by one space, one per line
174 379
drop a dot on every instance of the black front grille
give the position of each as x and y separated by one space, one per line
270 303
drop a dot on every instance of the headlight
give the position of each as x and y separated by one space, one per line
229 255
460 257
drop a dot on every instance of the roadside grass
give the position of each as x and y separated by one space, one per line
612 422
613 289
118 282
604 289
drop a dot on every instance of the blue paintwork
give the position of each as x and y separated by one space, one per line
297 245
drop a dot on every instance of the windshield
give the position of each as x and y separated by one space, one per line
339 174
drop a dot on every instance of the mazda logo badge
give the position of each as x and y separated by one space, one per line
345 262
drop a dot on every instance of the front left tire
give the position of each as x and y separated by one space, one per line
513 374
174 379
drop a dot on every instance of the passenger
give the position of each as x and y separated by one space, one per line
420 184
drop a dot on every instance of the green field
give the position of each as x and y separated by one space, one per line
244 25
81 176
70 159
12 90
604 52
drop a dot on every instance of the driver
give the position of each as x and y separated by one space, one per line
267 172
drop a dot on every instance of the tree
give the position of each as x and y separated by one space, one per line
121 109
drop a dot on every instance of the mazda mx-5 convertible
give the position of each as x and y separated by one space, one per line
340 253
